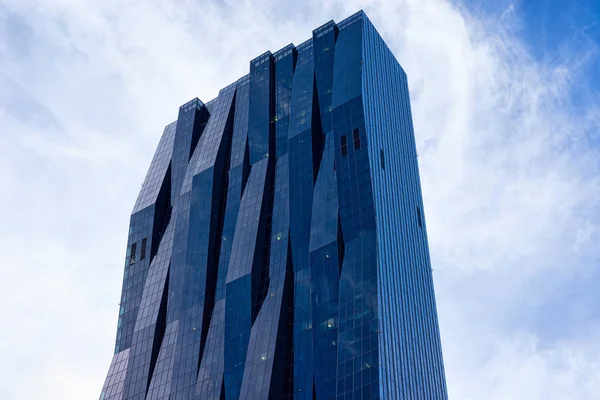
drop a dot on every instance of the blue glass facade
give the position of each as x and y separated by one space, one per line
278 249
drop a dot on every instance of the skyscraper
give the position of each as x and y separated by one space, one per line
277 249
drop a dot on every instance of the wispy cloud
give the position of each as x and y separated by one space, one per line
508 165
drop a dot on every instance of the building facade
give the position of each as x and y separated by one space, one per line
277 249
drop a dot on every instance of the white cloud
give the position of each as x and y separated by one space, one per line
519 368
509 178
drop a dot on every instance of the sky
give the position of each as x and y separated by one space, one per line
506 107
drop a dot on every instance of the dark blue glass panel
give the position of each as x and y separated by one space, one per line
198 231
284 73
303 132
262 104
210 376
326 253
410 352
243 275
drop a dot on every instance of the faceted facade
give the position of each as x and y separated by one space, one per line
277 249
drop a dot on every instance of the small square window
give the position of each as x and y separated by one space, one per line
344 146
382 159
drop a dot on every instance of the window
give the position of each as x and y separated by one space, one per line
419 217
132 253
381 159
143 249
344 146
356 136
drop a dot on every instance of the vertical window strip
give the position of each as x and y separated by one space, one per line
143 249
132 253
356 136
344 142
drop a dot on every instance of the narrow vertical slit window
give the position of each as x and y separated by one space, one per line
382 159
356 137
419 218
132 253
344 146
143 249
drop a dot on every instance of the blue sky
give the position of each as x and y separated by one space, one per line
562 34
506 106
554 30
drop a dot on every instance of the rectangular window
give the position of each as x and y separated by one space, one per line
344 146
381 159
143 249
356 136
132 253
419 217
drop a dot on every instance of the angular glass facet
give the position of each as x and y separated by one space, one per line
277 248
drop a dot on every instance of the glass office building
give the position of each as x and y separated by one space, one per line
277 249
